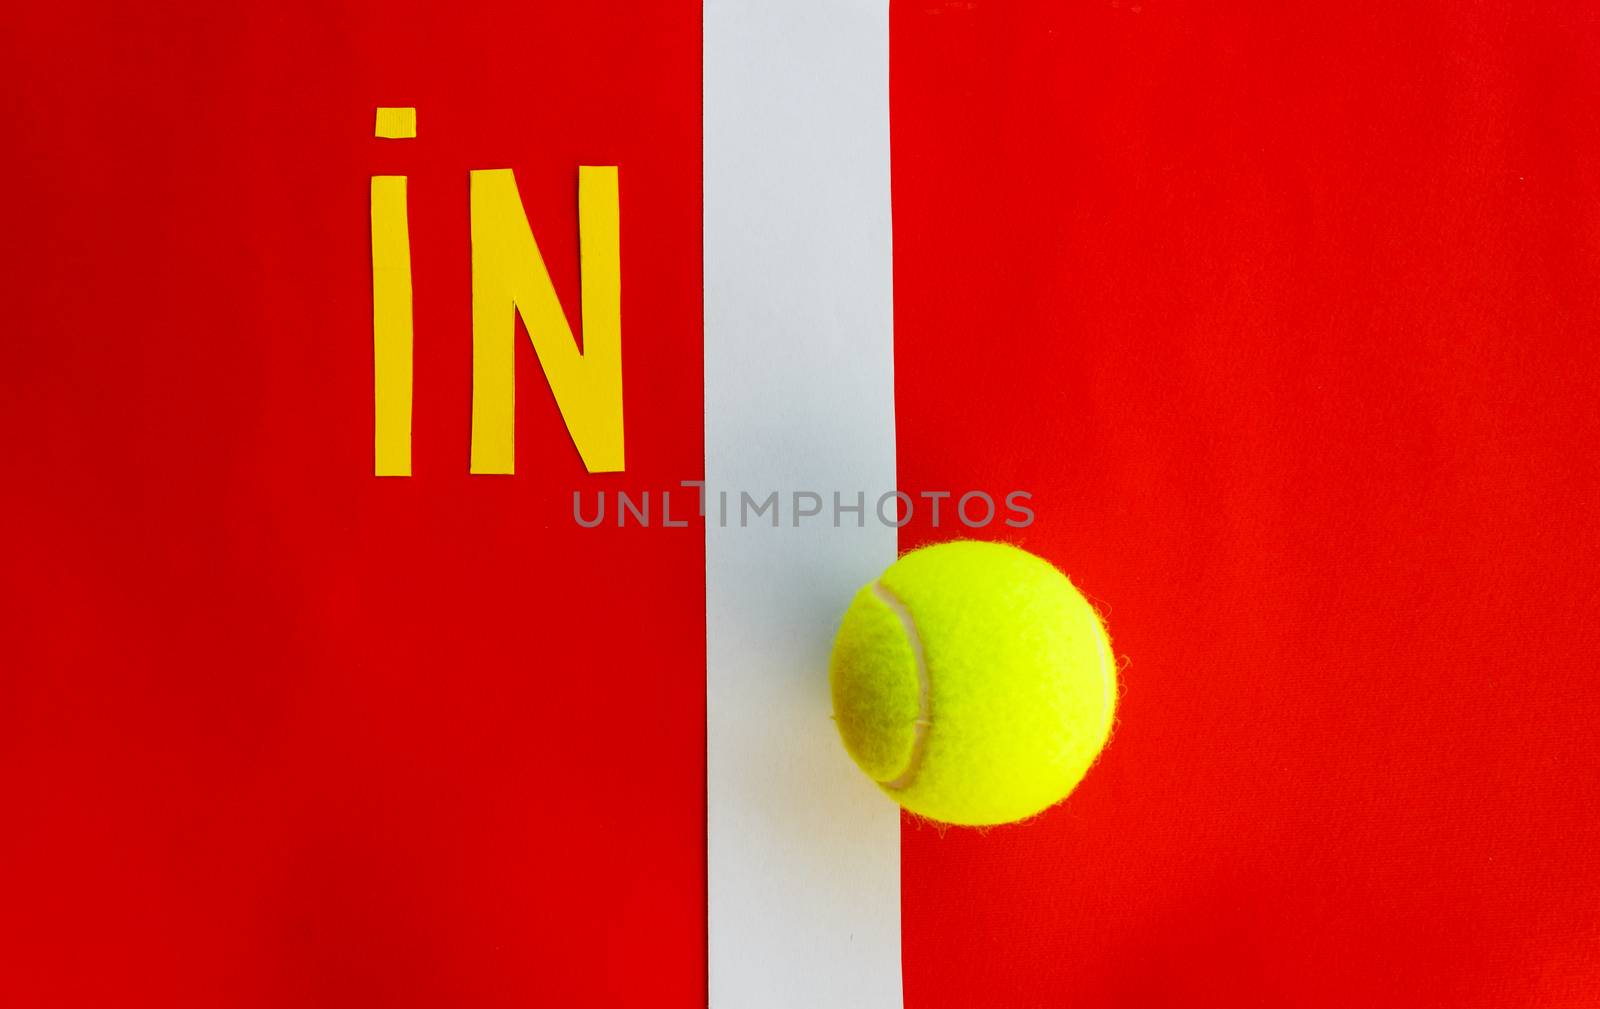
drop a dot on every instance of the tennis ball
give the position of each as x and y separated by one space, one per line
973 683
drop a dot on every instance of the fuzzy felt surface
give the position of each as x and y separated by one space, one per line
874 676
1019 677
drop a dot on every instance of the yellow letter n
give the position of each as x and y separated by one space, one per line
508 277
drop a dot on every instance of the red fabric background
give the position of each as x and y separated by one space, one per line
274 732
1286 315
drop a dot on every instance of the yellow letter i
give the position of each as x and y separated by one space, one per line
391 308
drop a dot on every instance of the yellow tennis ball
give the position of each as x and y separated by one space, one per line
973 683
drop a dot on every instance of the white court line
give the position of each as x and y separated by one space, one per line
803 853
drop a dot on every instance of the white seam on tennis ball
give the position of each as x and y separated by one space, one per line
920 739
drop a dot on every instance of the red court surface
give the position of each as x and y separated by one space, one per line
1287 318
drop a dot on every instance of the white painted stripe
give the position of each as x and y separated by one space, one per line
803 852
